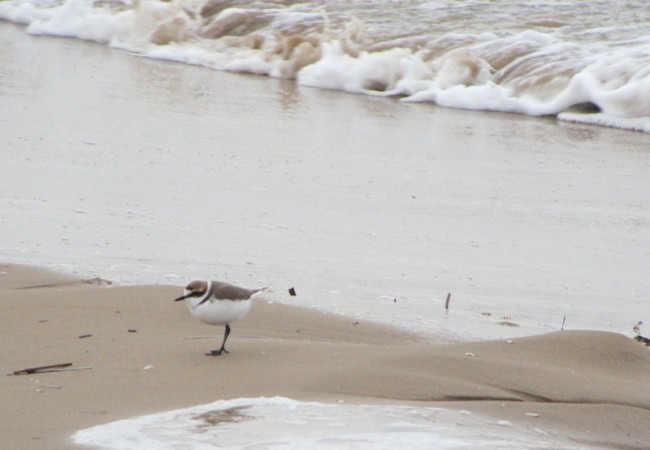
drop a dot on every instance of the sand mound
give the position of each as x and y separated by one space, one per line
581 380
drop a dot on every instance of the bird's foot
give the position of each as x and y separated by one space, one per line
217 352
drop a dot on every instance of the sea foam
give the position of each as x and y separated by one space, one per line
455 55
266 423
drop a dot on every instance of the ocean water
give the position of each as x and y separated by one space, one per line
370 207
281 423
578 60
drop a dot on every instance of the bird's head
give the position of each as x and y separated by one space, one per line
196 288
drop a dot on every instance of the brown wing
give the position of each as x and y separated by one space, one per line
225 291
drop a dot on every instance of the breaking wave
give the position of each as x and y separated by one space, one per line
576 60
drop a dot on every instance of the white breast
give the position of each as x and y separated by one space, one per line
219 312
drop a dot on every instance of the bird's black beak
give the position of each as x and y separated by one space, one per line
183 297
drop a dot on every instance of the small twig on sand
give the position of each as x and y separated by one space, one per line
563 320
51 368
447 301
41 369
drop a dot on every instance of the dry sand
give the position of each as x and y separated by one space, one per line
590 386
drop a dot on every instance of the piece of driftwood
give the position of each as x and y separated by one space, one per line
643 340
447 301
51 368
41 369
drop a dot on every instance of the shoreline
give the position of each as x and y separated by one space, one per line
588 386
332 205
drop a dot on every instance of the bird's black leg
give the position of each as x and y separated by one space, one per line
223 345
225 338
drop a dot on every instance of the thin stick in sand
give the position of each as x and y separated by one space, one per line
63 367
41 369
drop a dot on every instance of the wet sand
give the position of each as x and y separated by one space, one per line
592 387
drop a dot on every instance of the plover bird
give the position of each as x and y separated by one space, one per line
637 328
218 303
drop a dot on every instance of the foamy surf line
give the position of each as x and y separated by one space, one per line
522 58
285 423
